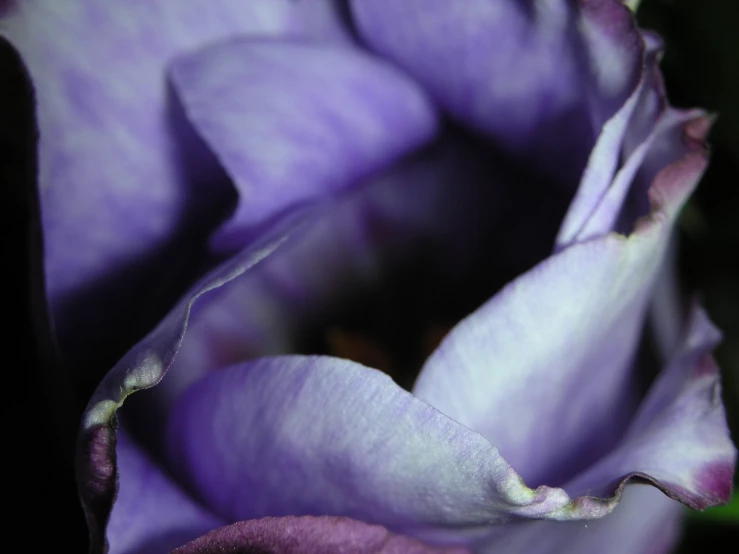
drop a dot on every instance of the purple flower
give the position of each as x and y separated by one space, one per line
396 164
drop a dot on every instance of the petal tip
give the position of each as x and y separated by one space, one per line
714 481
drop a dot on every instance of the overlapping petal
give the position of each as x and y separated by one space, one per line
644 136
121 175
628 129
308 535
141 368
353 443
430 213
320 435
525 73
679 441
553 350
152 514
679 438
644 522
294 120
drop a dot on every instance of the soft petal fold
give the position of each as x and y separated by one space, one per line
644 522
679 439
629 128
308 535
524 73
312 435
543 369
643 137
141 368
429 216
292 120
124 180
152 514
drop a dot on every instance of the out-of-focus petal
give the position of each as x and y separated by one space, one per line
122 176
644 522
290 120
151 514
543 369
308 535
525 73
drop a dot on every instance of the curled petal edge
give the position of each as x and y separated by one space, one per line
147 363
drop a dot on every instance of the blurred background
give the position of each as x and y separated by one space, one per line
701 68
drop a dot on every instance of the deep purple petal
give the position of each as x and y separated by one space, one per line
121 176
152 514
543 369
525 73
290 121
308 535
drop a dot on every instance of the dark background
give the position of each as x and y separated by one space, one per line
40 414
701 68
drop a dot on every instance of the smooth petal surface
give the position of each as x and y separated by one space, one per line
308 535
552 351
122 176
326 436
352 443
152 514
292 120
524 73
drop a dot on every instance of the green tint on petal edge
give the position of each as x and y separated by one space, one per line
633 4
727 513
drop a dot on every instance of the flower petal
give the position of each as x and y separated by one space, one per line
429 215
679 439
526 74
628 129
613 203
326 436
644 522
151 513
648 135
141 368
294 120
542 369
124 180
308 535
